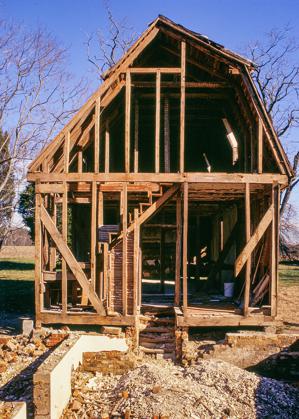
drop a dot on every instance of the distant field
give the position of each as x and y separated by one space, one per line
289 273
21 252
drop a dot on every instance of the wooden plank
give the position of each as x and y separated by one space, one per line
166 136
97 137
71 261
136 136
199 177
185 246
260 147
107 148
64 220
136 265
254 240
124 217
247 236
38 285
182 107
128 122
178 250
157 126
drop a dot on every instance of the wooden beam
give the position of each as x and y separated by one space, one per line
247 236
260 147
185 246
182 107
136 136
64 220
158 118
124 218
178 250
146 70
199 177
97 137
128 122
48 317
107 148
166 136
254 240
71 261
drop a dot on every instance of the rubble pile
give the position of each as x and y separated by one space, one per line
20 356
157 388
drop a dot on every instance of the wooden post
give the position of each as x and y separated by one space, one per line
162 260
274 249
136 136
178 251
248 263
97 137
80 161
185 246
107 148
64 235
66 151
260 147
157 131
128 122
166 136
136 265
124 213
38 284
93 233
52 263
100 291
182 106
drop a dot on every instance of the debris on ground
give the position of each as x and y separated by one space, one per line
20 356
158 388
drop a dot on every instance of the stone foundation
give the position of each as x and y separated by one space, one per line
109 362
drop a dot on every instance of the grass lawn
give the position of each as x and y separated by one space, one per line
289 273
16 285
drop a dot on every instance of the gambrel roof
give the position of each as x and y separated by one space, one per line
113 82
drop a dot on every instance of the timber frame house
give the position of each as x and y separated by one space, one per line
163 190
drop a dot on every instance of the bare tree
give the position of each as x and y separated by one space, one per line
37 96
106 46
277 79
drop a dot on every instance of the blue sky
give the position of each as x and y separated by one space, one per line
233 23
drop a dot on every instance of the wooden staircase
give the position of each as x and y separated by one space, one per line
157 333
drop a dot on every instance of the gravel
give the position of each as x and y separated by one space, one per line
208 389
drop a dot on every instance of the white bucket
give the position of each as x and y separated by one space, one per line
228 289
